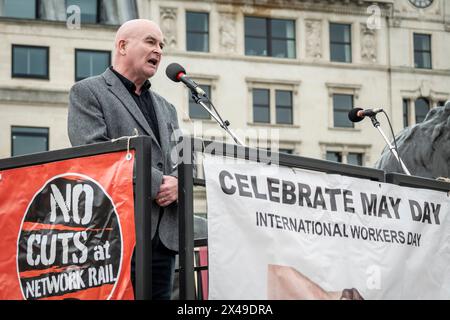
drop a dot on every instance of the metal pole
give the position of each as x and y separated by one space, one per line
376 124
143 266
223 125
186 221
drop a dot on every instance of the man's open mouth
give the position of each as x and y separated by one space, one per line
153 61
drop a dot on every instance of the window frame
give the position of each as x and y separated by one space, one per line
91 51
97 14
272 89
361 154
406 105
331 42
286 150
37 4
269 91
345 150
334 110
25 76
189 104
269 38
342 89
415 108
268 144
29 135
291 107
273 86
203 79
339 153
208 32
422 51
412 99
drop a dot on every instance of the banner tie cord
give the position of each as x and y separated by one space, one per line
129 156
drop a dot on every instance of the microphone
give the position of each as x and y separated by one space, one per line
358 114
176 72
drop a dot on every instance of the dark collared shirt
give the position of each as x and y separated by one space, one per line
143 101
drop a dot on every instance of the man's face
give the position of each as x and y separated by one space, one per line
144 51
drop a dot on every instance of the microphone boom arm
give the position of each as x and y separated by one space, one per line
176 73
223 124
376 124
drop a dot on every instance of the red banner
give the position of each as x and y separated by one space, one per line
67 229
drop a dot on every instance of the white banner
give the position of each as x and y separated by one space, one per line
280 233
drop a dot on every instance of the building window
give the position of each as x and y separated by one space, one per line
26 140
89 9
284 107
405 113
334 156
355 159
340 42
272 102
422 51
90 63
112 12
24 9
270 37
29 62
197 31
267 143
342 104
261 105
422 107
196 111
287 151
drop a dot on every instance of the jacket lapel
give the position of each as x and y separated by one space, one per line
118 89
162 122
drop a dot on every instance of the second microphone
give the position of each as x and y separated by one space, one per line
358 114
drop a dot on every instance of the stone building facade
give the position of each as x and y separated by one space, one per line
334 55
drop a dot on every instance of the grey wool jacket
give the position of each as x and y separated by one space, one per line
101 109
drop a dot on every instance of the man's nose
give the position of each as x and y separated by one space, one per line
158 50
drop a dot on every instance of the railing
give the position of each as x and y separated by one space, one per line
187 182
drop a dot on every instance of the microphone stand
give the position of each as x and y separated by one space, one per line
377 125
202 100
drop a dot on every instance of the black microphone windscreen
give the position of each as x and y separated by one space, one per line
173 70
353 115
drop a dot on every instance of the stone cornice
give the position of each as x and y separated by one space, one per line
273 81
341 144
33 96
279 61
353 7
62 24
415 71
336 87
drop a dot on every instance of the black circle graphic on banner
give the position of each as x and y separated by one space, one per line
70 242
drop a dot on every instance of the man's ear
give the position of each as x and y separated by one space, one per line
123 47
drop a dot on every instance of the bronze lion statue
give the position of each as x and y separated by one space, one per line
424 147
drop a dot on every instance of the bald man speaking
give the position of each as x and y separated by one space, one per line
113 105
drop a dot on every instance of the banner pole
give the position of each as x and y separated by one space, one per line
186 222
143 276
